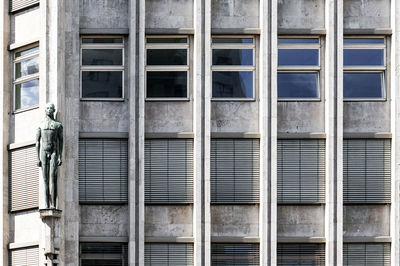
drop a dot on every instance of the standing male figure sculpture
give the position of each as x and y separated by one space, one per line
49 153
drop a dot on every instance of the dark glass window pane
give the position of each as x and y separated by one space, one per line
171 84
101 262
362 85
27 67
363 57
101 57
25 52
166 40
167 57
298 85
297 40
27 94
298 57
101 84
101 248
232 40
232 84
242 57
363 41
102 40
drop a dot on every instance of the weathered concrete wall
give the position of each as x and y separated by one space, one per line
25 26
366 117
169 221
297 117
235 13
169 13
23 125
104 116
104 220
107 14
168 117
24 226
234 220
301 14
301 220
366 220
234 117
359 14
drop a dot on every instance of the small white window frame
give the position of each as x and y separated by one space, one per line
368 69
104 68
238 68
180 68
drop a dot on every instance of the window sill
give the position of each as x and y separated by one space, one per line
102 99
299 100
233 99
167 100
25 109
300 203
364 99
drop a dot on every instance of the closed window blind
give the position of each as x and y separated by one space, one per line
301 254
376 254
16 5
23 179
301 170
24 256
366 170
169 171
103 170
235 254
235 170
108 254
168 254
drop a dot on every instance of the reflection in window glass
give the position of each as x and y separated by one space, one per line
363 41
166 40
102 57
171 84
297 40
363 85
102 84
232 40
26 52
27 67
228 84
27 94
166 57
298 57
101 40
243 57
363 57
297 85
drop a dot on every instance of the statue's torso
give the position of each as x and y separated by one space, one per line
49 131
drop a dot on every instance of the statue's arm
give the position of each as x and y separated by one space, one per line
60 144
38 136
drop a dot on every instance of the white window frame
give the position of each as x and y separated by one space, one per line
238 68
180 68
26 78
368 69
300 68
104 68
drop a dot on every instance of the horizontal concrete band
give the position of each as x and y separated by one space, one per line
13 146
123 31
230 135
376 239
121 239
23 245
170 31
234 239
117 135
255 31
182 239
301 239
368 135
14 46
170 135
315 31
376 31
306 135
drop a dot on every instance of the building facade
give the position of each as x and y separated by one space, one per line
203 132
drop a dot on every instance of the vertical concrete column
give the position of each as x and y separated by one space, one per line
5 100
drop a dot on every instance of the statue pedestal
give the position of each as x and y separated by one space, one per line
50 235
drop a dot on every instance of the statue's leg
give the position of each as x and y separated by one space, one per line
53 179
45 173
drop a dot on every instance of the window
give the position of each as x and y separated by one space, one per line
168 254
167 67
102 67
301 254
366 170
23 179
115 254
168 171
233 67
301 171
377 254
16 5
28 256
299 67
103 170
235 254
235 170
364 64
26 78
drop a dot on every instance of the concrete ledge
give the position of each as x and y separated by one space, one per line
170 135
120 31
179 239
234 239
316 31
368 135
301 239
236 31
235 135
110 135
377 239
382 31
121 239
14 46
13 146
23 245
55 213
169 31
309 135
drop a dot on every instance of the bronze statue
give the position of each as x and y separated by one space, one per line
49 153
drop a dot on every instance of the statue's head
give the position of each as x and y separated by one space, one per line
50 109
